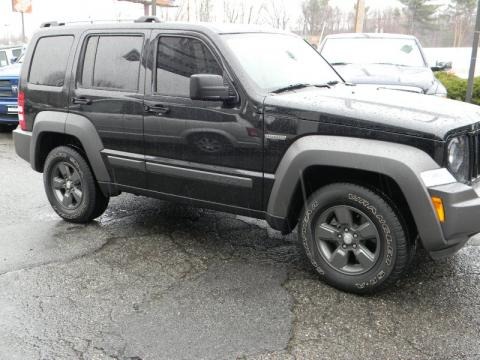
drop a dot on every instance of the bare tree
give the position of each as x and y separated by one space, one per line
314 16
205 10
277 14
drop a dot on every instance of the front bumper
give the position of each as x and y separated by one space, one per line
8 112
462 216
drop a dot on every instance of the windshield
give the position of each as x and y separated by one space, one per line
404 52
275 61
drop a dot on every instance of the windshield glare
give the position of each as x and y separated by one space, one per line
275 61
404 52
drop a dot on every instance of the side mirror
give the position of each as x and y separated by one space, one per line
442 66
13 60
208 87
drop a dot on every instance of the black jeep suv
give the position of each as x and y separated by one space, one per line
251 122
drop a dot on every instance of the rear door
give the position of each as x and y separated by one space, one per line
108 90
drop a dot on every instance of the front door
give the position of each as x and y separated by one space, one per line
205 150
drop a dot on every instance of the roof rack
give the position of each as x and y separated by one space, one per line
147 19
51 24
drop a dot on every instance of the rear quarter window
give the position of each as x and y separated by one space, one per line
49 63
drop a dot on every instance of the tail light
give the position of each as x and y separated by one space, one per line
21 110
252 132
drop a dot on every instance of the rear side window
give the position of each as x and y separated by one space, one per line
50 59
178 58
112 62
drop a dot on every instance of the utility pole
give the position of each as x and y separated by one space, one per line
24 40
360 16
154 7
473 63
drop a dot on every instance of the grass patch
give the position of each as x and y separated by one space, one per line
457 87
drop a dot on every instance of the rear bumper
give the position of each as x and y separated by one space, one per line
22 140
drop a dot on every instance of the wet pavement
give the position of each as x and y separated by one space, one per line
154 280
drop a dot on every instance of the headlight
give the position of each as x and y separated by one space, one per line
458 158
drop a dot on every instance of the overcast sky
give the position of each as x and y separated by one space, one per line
75 10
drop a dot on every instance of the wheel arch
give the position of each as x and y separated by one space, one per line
391 168
53 129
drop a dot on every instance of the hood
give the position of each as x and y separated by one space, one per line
11 70
421 78
378 109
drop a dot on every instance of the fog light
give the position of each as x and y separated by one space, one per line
438 204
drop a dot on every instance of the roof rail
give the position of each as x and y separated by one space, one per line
147 19
51 24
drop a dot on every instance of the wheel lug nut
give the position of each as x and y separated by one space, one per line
354 246
355 235
344 246
339 236
346 230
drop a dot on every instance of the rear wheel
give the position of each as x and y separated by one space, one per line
354 238
71 187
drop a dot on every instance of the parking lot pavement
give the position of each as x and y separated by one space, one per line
153 280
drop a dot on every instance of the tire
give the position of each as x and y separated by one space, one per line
71 187
354 238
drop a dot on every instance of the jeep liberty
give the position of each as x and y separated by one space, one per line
252 122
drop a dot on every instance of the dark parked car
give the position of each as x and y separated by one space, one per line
362 173
387 60
9 76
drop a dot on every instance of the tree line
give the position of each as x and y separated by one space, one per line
436 25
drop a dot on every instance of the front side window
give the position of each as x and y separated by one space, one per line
274 61
49 64
178 58
386 51
112 62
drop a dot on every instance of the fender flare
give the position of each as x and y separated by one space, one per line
402 163
74 125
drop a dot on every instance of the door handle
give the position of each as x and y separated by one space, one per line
158 109
81 101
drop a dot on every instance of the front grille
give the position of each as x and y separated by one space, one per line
474 142
6 88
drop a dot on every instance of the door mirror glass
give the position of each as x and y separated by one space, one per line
208 87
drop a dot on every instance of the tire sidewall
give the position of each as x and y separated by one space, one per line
362 200
55 157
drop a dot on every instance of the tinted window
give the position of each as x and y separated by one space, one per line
16 52
179 58
112 62
49 63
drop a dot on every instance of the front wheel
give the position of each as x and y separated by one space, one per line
71 187
354 238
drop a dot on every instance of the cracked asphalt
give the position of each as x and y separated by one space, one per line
154 280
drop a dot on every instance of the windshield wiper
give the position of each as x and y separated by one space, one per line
339 63
291 87
387 63
302 86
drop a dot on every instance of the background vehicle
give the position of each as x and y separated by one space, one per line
9 76
9 55
360 172
387 60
